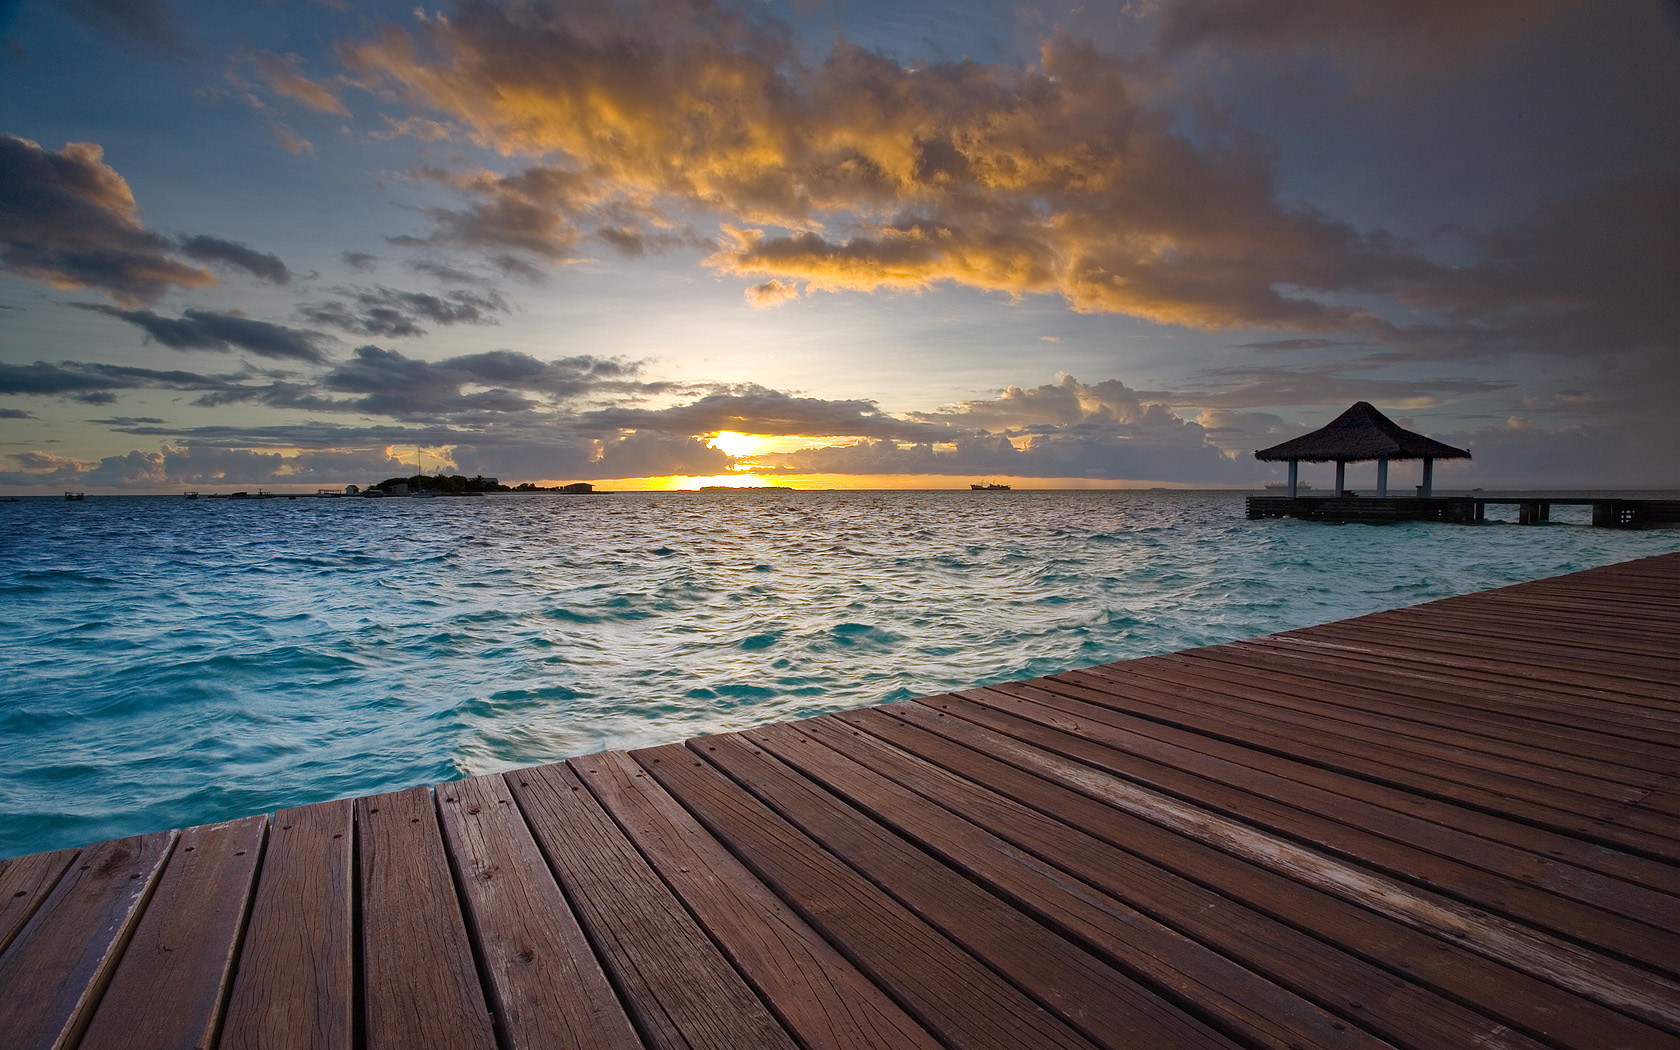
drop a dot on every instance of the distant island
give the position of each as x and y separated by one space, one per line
743 488
457 485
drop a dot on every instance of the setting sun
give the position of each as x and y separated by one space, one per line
734 444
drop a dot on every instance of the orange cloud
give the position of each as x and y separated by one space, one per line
281 73
861 174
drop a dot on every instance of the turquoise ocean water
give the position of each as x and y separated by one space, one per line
168 662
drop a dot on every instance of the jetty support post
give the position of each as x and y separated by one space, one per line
1341 477
1294 466
1382 477
1427 489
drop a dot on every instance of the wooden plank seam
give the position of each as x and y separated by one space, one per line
1648 996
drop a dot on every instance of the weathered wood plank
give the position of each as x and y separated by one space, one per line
1644 680
681 991
1431 851
420 985
1379 703
820 996
1428 699
1637 992
293 987
24 884
967 1005
1101 1002
1347 958
1239 1001
545 984
1272 710
1484 832
168 989
56 969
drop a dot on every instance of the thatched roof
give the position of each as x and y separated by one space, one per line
1361 433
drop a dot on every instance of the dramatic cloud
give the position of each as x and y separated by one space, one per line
755 410
382 311
223 333
498 388
69 219
265 265
79 379
1047 181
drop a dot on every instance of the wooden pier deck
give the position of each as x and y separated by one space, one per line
1607 511
1452 825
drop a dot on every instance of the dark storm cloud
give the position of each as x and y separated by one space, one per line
484 388
361 262
222 333
1592 274
1433 28
265 265
757 410
15 413
44 378
388 312
69 219
313 435
77 377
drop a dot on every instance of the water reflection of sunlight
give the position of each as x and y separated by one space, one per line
739 481
682 482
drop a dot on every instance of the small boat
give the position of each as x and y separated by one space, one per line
988 486
191 495
75 497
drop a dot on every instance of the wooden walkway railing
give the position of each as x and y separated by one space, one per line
1452 825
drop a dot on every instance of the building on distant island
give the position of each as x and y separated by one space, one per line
578 486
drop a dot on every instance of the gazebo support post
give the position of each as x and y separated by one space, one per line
1359 435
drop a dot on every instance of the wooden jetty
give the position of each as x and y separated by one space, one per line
1451 825
1607 512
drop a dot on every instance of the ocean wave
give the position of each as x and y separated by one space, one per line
172 663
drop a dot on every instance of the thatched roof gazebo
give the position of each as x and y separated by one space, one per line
1362 433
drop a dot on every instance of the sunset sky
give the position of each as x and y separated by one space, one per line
853 244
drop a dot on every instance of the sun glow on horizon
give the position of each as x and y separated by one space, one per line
733 443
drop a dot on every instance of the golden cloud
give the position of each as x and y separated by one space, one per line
861 174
